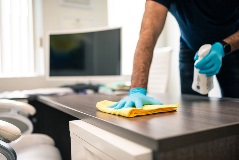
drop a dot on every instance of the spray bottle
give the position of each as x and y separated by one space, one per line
201 83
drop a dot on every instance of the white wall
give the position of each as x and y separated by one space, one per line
128 15
57 16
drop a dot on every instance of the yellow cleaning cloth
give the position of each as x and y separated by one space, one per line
132 112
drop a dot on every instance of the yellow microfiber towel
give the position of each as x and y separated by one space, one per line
132 112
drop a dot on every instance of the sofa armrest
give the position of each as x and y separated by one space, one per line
20 106
8 133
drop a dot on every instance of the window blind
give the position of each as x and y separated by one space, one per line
16 38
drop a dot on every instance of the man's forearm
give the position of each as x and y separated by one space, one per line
152 25
233 40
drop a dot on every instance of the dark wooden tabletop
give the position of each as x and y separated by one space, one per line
197 119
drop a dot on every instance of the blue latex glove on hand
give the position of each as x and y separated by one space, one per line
212 62
137 98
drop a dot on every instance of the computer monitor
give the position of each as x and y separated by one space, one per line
86 54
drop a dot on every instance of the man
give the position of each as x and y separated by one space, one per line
201 22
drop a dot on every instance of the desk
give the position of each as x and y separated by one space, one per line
202 128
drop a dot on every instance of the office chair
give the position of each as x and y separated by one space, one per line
8 133
28 146
159 70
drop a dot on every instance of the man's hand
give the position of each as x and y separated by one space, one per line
137 98
211 64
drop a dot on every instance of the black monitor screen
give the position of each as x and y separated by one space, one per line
85 54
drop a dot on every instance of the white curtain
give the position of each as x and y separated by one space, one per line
16 38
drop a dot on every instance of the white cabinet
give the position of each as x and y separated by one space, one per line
89 142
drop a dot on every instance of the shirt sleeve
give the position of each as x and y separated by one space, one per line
166 3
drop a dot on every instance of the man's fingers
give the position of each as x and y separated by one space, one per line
203 62
114 105
196 56
129 104
120 105
154 102
138 104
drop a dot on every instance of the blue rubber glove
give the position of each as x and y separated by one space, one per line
211 64
137 98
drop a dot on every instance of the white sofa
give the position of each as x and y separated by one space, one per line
18 139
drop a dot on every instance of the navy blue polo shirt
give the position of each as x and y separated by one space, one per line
204 21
